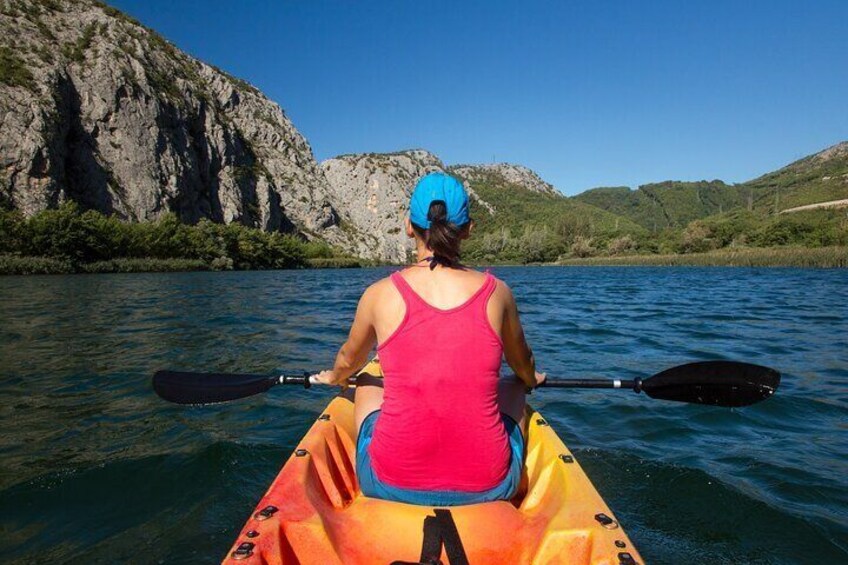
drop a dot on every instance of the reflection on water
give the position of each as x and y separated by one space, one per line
94 466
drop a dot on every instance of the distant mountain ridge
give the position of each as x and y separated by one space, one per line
820 177
666 204
517 175
373 190
100 110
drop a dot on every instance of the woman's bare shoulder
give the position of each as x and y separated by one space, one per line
381 294
503 293
378 289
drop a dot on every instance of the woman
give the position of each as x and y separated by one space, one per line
440 428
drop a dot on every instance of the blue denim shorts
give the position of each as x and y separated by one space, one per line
372 486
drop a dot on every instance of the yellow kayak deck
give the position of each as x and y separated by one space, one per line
314 512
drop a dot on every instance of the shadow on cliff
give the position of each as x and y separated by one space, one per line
80 174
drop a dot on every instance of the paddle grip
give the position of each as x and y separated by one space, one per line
296 380
635 384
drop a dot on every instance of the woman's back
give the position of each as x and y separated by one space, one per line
440 427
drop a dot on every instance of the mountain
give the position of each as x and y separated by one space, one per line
100 110
373 189
666 204
520 198
821 177
516 175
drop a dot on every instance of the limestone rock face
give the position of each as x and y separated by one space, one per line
510 174
98 109
372 190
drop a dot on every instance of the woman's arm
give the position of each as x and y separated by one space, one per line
353 355
517 352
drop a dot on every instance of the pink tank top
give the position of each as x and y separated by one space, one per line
440 427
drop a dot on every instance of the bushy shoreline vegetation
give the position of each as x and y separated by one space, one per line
69 240
824 257
525 231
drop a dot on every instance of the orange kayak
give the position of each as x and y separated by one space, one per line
314 513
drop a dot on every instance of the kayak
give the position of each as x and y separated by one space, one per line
314 513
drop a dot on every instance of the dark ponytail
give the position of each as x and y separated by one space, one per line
443 238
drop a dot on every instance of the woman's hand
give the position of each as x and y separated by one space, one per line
541 378
538 377
328 377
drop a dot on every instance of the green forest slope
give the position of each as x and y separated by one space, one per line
667 204
530 226
817 178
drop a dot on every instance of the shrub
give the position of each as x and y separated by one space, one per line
696 238
15 265
583 247
535 245
222 264
319 249
621 245
14 70
13 231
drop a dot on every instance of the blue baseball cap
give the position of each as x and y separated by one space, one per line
439 186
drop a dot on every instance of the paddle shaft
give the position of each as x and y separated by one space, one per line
716 383
633 384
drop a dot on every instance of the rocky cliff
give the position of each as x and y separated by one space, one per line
98 109
372 190
507 173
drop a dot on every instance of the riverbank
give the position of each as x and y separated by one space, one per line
805 257
17 265
821 257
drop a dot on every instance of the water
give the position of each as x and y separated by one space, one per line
95 468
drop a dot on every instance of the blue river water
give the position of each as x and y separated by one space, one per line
95 468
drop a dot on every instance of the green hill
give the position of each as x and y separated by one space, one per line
528 225
673 204
667 204
817 178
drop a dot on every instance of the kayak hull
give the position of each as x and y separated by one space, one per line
314 512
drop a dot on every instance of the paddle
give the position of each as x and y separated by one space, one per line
716 383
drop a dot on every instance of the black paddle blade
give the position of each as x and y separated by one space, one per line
208 388
717 383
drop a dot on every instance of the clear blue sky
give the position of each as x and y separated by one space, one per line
586 93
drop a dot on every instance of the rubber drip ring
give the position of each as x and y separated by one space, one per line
606 521
243 551
265 513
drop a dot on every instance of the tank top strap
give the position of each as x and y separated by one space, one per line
414 302
410 297
487 290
